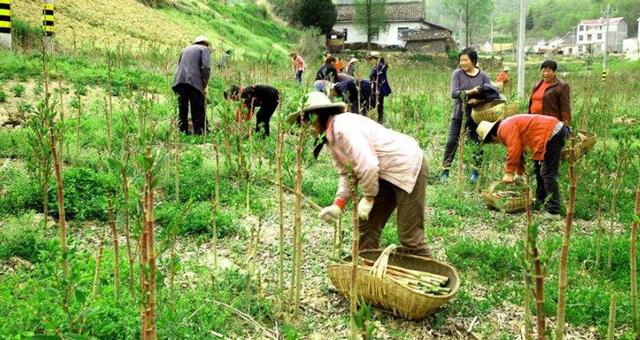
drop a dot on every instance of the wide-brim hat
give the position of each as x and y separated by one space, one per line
373 55
485 129
315 101
353 60
506 68
201 39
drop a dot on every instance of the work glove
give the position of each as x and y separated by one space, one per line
364 208
330 213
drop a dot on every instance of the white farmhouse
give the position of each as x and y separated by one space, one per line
632 45
402 16
590 35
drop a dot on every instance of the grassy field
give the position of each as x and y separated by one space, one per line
223 282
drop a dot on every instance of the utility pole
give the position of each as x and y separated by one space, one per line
521 37
5 24
48 24
605 61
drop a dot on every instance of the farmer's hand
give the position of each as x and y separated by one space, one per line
474 101
364 207
330 213
508 178
473 91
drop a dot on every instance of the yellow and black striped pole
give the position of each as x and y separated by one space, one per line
48 18
5 23
604 74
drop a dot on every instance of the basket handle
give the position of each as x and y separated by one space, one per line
379 268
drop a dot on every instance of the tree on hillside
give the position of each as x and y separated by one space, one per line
318 13
474 15
370 17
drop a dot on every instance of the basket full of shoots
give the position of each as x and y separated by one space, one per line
405 285
503 196
493 111
584 142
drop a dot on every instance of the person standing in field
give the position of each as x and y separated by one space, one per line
190 84
381 88
551 96
545 137
465 81
265 97
298 66
503 78
355 93
326 74
389 168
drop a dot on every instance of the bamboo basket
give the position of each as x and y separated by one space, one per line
584 142
491 112
379 290
510 201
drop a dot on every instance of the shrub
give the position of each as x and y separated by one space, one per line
3 96
85 193
20 236
18 90
197 219
21 193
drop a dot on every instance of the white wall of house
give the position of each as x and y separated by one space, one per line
594 34
390 36
631 45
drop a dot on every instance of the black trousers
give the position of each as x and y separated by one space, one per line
453 139
190 96
263 117
547 189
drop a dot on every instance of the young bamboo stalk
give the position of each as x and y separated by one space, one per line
279 181
355 245
148 265
599 233
297 226
612 318
215 204
461 138
127 236
564 253
532 238
633 263
57 167
109 112
527 272
96 273
78 120
617 182
116 250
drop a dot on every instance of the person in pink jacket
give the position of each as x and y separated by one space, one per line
389 167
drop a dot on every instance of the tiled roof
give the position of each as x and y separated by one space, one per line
425 34
601 21
396 11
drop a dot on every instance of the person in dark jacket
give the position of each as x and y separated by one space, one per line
326 72
465 82
551 96
355 93
192 78
265 97
381 88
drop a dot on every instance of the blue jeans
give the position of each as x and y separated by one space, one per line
299 76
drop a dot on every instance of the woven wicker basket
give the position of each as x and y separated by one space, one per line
386 293
491 112
584 142
504 197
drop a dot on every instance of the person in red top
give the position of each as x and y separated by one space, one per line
503 78
544 137
551 96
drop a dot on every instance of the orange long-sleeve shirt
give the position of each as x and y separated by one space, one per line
525 132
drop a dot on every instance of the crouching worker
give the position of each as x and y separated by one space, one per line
265 97
356 93
388 166
545 137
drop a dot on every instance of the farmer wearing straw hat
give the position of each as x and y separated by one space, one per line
192 77
545 137
388 166
263 96
351 67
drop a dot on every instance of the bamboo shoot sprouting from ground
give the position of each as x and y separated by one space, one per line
564 252
147 253
611 329
281 235
96 273
526 263
633 263
109 111
116 250
297 225
599 233
533 254
215 205
355 245
617 182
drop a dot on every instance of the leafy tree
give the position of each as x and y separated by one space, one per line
370 17
475 15
530 21
318 13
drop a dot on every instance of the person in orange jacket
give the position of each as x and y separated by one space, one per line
545 137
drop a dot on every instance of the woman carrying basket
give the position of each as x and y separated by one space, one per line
388 166
464 82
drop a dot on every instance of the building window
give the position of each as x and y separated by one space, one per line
588 37
580 37
344 32
581 28
599 36
402 31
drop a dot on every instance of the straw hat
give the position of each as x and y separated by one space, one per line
485 128
373 55
315 101
506 68
353 60
200 39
